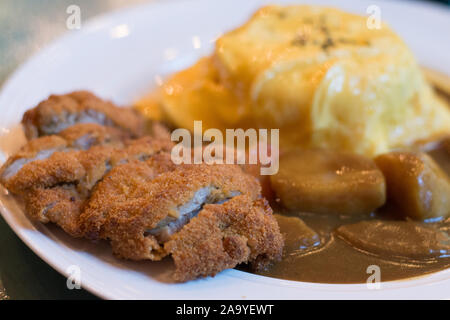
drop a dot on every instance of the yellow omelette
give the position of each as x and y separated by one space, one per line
320 75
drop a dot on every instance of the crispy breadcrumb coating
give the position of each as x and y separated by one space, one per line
77 137
84 167
86 135
222 236
61 205
138 206
55 188
59 112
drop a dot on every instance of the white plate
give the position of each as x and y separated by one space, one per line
119 56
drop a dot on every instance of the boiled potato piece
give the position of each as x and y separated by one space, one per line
441 154
416 184
264 180
396 239
322 181
297 235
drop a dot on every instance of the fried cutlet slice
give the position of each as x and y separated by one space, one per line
59 112
148 214
61 205
77 137
85 135
121 189
37 149
83 167
221 236
137 217
55 189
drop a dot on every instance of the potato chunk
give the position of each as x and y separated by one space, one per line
441 153
298 236
322 181
416 185
405 239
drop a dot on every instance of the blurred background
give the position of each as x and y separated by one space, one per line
27 26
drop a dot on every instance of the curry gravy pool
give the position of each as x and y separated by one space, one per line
322 256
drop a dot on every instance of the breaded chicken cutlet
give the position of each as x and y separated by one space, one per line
97 182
